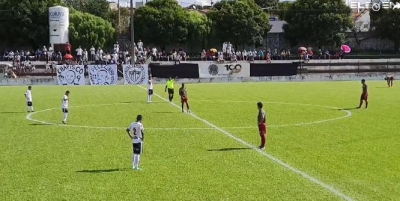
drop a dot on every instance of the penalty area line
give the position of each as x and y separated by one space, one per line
269 156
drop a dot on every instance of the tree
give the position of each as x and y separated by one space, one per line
125 20
319 22
25 22
240 22
283 8
86 30
198 28
100 8
385 24
76 4
358 27
267 4
161 22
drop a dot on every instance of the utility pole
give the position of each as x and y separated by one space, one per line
119 18
132 35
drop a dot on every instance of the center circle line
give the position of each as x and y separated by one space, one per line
348 114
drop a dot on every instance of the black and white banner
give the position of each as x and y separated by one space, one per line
103 74
70 74
215 70
137 74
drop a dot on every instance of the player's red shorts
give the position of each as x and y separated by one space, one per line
262 128
184 99
364 97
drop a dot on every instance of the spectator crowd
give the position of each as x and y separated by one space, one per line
22 60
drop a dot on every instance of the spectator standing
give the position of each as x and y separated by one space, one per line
92 53
140 45
79 53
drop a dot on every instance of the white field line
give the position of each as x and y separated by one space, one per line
30 118
272 158
348 114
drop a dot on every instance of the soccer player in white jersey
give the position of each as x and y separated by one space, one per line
28 96
150 89
136 133
64 106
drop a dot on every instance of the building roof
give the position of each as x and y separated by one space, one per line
277 26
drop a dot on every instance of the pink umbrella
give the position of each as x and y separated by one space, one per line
68 57
346 49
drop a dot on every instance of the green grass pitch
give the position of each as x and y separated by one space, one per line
355 152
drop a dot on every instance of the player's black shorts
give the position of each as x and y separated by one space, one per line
170 91
65 110
138 148
150 91
29 103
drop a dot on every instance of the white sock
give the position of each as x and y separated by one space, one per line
150 97
138 160
135 161
65 116
28 109
31 108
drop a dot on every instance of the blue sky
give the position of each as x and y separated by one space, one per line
183 3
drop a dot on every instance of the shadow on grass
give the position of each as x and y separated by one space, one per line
350 108
131 102
142 102
39 124
103 171
12 112
164 112
231 149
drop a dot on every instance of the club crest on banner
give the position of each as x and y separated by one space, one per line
70 75
227 70
103 74
135 74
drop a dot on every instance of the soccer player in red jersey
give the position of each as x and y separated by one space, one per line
184 98
389 80
262 125
364 95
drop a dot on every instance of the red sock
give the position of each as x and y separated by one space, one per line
263 140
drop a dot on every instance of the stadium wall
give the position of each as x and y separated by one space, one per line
212 72
294 78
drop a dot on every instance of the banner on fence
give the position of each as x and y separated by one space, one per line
137 74
213 70
103 74
70 74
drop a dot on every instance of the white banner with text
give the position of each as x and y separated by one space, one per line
213 70
70 74
103 74
136 74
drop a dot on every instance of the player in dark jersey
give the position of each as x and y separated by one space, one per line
389 80
184 98
364 94
262 125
